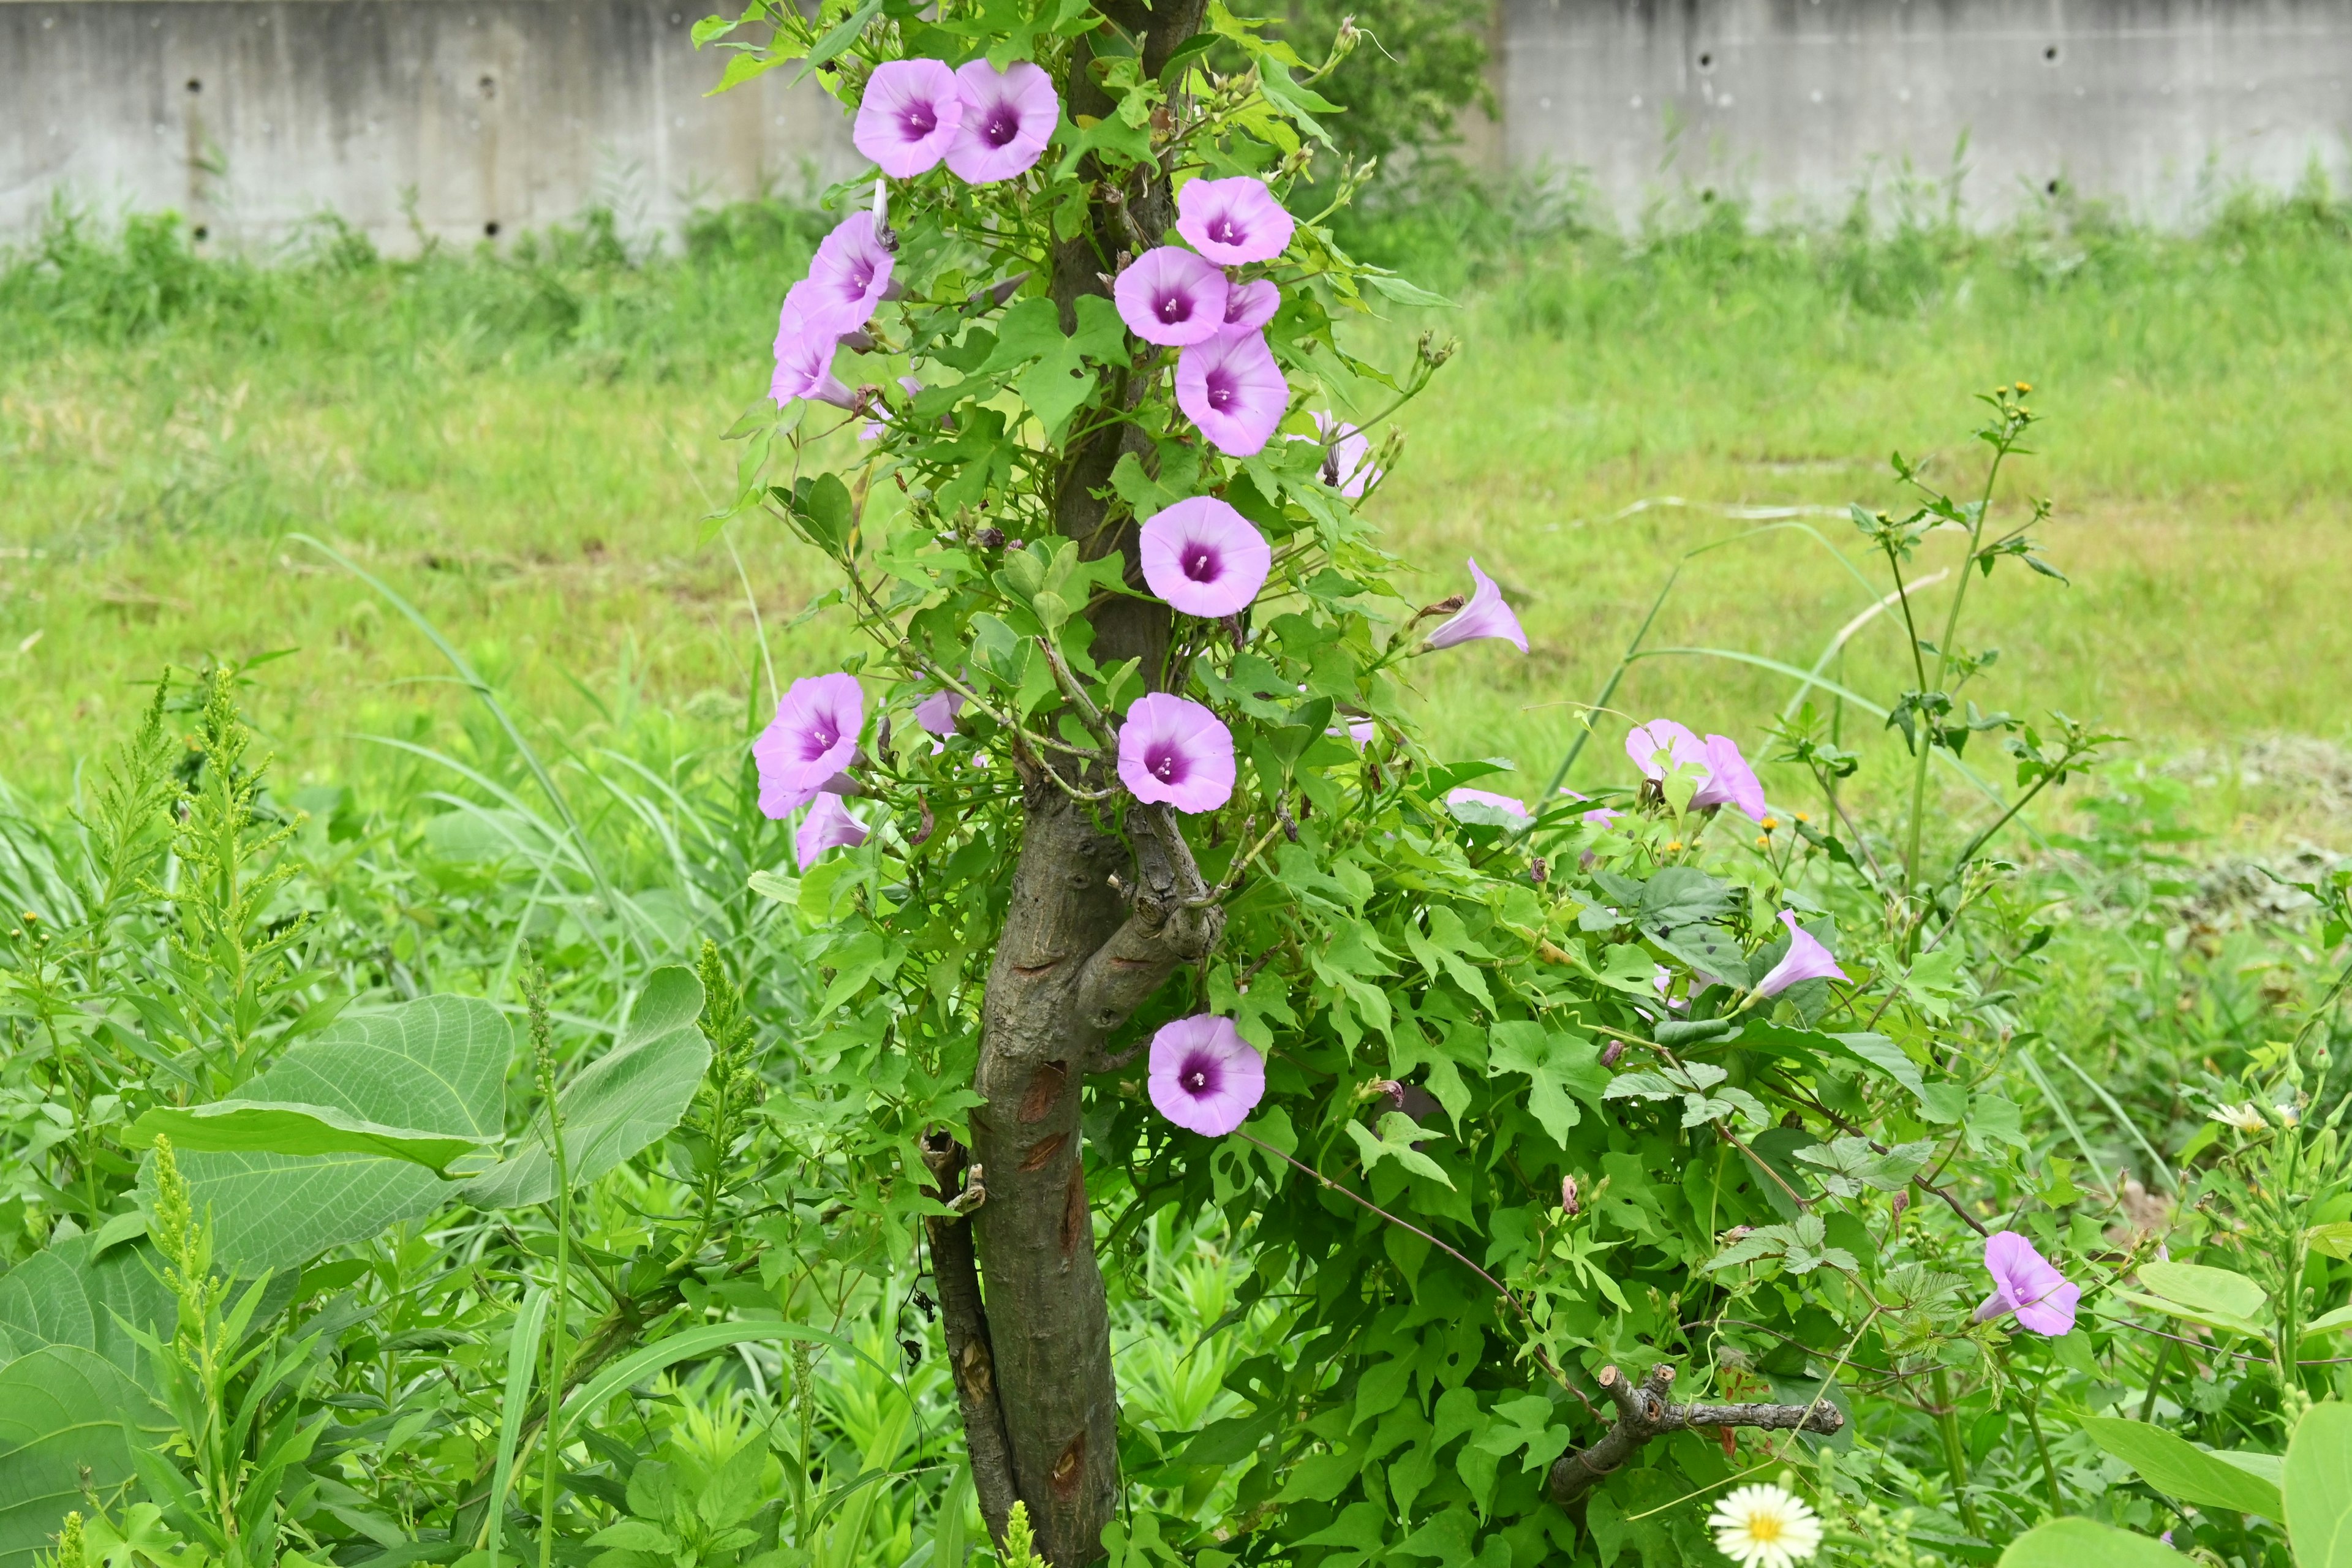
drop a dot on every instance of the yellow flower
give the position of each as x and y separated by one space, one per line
1765 1527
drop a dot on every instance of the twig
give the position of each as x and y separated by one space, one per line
1643 1413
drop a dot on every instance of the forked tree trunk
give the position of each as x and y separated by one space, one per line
1077 956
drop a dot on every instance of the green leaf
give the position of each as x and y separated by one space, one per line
2334 1239
2180 1469
1681 896
69 1294
2319 1488
241 1127
1557 1065
62 1430
437 1065
695 1343
2217 1296
624 1101
2086 1543
1406 293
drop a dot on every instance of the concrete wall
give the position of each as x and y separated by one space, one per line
251 115
2155 104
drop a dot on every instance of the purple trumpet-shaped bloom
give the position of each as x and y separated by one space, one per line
937 712
1661 744
1204 1077
812 737
909 116
1362 733
827 826
1008 117
876 426
1503 803
805 363
1231 387
848 277
2026 1283
1205 558
1730 781
1348 465
1725 777
1249 305
1171 297
1806 959
1233 222
1485 615
1599 816
1175 752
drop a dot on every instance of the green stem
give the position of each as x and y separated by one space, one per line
1955 1456
1943 664
2049 1471
2155 1381
555 1347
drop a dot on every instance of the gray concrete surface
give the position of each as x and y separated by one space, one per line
2155 105
251 116
447 117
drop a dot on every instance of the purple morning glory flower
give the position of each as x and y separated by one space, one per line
1730 780
937 712
805 363
1204 1077
812 738
1347 468
1680 748
846 278
1235 221
1599 816
1362 733
1806 959
1008 116
1467 796
1176 753
1231 387
1725 777
1171 297
1249 305
2024 1282
1485 615
881 420
909 117
1205 558
827 826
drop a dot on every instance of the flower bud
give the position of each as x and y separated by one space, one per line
1569 1202
1434 350
1348 37
1537 871
990 538
1902 1202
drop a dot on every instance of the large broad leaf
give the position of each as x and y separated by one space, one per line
2180 1469
620 1104
435 1065
2319 1488
2215 1297
240 1127
63 1430
2086 1543
64 1296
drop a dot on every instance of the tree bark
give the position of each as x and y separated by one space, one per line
1077 955
1643 1414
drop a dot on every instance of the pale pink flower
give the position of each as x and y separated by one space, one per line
909 117
1806 959
1250 306
1485 615
805 363
937 712
811 739
1730 781
1176 753
1347 465
1008 118
1231 387
1233 222
1205 558
1170 296
1504 803
1724 776
846 278
827 826
2024 1282
1204 1077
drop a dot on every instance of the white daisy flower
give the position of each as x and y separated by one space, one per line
2244 1118
1765 1527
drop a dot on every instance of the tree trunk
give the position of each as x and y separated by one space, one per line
1077 956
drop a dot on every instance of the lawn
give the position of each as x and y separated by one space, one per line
523 446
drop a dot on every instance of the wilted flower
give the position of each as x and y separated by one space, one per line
1806 959
1485 615
805 363
812 737
1765 1527
1176 753
1204 557
1612 1053
1204 1077
1170 296
1467 796
2245 1118
2025 1283
909 117
1231 387
1249 305
846 278
937 712
1569 1202
827 826
1235 221
1008 117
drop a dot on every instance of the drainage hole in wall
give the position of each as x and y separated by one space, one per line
2051 54
1707 195
1707 62
489 85
195 86
201 232
491 228
2052 187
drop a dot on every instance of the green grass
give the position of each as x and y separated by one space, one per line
523 444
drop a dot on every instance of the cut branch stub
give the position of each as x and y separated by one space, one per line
1643 1413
